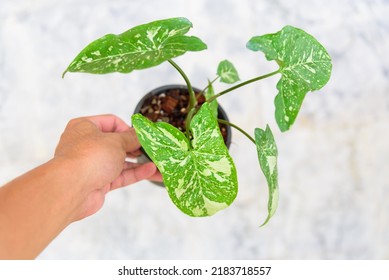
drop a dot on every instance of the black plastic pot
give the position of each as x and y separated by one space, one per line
163 89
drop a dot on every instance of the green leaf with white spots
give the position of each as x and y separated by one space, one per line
199 175
227 72
140 47
208 94
305 66
267 157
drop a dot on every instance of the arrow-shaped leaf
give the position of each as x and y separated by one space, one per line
141 47
304 64
200 175
267 157
227 72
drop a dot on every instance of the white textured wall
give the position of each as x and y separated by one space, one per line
333 165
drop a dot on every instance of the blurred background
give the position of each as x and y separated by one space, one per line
333 164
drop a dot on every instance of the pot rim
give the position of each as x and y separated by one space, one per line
221 112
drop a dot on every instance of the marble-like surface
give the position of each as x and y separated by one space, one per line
333 164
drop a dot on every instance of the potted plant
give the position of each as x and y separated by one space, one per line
198 172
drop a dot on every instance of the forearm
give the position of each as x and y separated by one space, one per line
36 207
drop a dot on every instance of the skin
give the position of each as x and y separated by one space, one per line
89 161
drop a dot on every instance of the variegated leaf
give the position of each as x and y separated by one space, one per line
141 47
304 64
227 72
267 157
199 175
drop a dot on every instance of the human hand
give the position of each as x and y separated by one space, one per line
97 147
89 161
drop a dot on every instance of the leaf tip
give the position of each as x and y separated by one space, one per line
265 222
64 73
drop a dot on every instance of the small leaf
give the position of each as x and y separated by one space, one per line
208 94
140 47
200 175
227 72
267 157
304 64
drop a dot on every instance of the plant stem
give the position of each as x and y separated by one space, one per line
209 83
243 84
192 97
238 128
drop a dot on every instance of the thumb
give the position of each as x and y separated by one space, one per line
128 140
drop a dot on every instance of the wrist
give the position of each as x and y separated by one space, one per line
71 186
